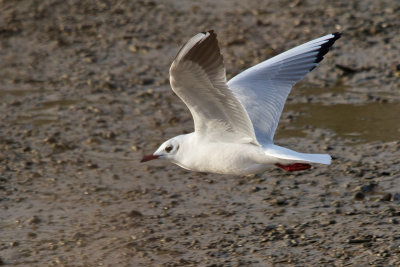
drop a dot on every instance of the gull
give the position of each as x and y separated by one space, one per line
235 121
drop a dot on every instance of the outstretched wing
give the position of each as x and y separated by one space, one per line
197 76
263 88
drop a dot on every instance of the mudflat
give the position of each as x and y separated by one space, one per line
85 94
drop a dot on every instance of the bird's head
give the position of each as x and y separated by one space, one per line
168 150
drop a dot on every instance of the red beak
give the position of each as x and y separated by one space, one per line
149 157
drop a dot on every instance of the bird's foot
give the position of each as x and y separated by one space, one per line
294 167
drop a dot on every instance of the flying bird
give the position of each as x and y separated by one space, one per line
235 121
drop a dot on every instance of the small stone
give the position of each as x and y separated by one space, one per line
50 140
92 165
31 235
255 189
133 48
395 246
93 140
328 222
396 197
33 220
359 196
135 213
280 201
110 135
370 187
337 203
358 241
270 227
14 244
77 236
147 81
166 239
386 197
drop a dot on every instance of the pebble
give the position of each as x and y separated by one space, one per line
358 241
386 197
135 213
280 201
34 220
359 196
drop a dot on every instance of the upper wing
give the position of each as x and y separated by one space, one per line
263 88
197 76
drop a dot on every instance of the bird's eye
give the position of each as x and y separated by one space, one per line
168 149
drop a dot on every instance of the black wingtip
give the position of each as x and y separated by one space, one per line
337 35
211 32
325 47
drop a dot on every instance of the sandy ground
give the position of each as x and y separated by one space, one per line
85 94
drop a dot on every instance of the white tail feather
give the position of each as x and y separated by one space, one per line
292 156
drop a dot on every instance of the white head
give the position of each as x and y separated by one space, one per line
168 150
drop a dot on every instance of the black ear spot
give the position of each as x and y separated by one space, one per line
169 148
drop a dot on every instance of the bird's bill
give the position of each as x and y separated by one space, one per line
149 157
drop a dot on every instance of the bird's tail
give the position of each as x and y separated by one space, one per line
285 155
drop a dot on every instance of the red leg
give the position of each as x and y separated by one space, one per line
294 167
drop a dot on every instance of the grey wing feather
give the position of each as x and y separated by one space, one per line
263 88
197 76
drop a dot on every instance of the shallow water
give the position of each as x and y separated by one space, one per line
366 123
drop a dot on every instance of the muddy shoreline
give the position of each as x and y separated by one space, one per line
85 94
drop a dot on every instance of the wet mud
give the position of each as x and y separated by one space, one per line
85 94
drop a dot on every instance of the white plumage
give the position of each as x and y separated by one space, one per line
235 121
